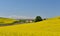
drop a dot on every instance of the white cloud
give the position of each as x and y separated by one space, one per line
20 17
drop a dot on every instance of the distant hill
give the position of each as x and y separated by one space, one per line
6 20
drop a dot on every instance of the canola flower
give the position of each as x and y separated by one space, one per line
6 20
49 27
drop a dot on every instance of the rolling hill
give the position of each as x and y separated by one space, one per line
49 27
6 20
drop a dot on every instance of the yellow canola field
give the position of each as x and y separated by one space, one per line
6 20
50 27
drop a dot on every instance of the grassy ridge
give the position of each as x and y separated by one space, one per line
50 27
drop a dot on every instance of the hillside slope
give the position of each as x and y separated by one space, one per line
6 20
50 27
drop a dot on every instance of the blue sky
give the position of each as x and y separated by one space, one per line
31 8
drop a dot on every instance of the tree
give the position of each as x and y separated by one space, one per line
44 19
38 18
